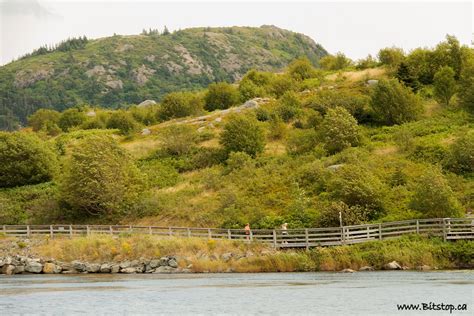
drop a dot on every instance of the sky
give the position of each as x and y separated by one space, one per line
353 27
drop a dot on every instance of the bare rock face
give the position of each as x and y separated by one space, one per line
51 268
25 78
98 70
114 84
105 268
146 103
8 269
366 268
129 270
142 74
33 266
392 266
93 267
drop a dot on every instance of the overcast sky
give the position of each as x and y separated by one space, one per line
355 28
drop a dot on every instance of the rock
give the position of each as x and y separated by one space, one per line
366 268
115 268
129 270
142 74
8 269
146 103
164 269
7 260
91 114
67 268
173 263
201 129
145 132
1 263
19 269
93 267
372 82
79 266
125 264
218 120
164 261
33 266
250 104
185 271
150 58
114 84
51 268
154 263
105 268
405 268
347 271
423 267
97 70
227 256
334 167
392 266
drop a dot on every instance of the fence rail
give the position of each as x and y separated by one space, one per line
447 228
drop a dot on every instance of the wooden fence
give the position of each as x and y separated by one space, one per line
447 228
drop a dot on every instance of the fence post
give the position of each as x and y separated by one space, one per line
445 233
274 239
28 230
170 231
306 237
417 227
209 233
380 231
229 233
150 231
111 230
130 228
368 232
5 230
51 231
189 232
70 231
251 235
88 230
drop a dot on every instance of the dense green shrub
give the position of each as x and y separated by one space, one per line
356 186
289 106
243 134
237 161
335 62
280 84
180 104
71 118
24 159
339 130
391 56
433 196
302 141
44 119
350 215
178 139
354 102
460 157
221 96
395 104
444 85
123 121
159 173
466 89
100 179
301 69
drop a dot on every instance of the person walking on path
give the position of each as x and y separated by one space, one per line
247 231
284 232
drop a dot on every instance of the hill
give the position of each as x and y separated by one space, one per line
120 70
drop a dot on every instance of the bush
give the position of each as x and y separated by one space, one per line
355 103
45 119
180 104
301 69
71 118
339 130
351 215
221 96
24 159
395 104
237 161
243 134
460 158
391 56
444 85
433 197
100 179
160 174
178 139
281 84
289 106
301 141
123 121
335 62
466 89
356 186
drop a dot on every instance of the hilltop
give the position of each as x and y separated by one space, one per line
122 70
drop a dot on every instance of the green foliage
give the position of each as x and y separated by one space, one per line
221 96
123 121
335 62
44 119
237 161
350 215
444 85
433 196
71 118
100 179
466 89
356 186
243 134
280 84
460 158
289 106
25 159
178 140
366 63
302 141
180 104
393 103
159 173
356 103
339 130
301 69
391 56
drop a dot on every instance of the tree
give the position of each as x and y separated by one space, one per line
71 118
335 62
356 186
243 134
466 89
391 56
394 103
123 121
301 69
289 106
339 130
180 104
99 178
43 119
221 96
350 215
25 159
444 85
460 158
433 197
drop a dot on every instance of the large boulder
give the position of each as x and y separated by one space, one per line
173 263
93 267
51 268
8 269
227 256
115 268
366 268
79 266
106 268
347 271
19 269
165 269
146 103
424 267
33 266
392 266
129 270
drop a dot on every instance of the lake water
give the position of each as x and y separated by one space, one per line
362 293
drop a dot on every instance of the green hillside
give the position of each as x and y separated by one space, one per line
121 70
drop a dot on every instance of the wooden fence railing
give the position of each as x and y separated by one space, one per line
447 228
